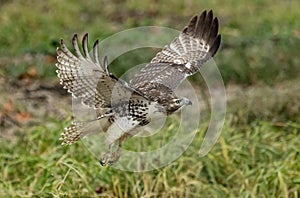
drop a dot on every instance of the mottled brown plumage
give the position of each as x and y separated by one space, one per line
124 107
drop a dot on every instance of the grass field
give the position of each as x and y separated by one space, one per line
258 152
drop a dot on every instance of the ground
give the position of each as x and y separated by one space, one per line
257 154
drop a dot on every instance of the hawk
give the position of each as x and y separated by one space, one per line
124 107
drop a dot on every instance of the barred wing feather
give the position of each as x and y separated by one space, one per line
87 78
196 44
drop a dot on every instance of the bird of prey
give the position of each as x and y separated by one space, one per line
124 107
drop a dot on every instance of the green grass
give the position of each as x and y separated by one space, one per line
257 154
258 159
260 39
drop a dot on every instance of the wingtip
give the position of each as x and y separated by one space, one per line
96 52
216 22
191 25
216 45
105 64
85 38
209 17
194 19
96 43
203 14
75 37
210 12
62 47
62 44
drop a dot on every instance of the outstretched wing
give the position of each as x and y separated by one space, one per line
196 44
86 78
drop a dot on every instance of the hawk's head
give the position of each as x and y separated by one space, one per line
177 103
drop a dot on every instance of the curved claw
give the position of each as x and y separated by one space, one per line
109 158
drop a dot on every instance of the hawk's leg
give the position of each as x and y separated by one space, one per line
114 151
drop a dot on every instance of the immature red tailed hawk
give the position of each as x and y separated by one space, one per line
124 107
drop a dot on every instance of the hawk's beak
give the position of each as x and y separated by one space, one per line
187 101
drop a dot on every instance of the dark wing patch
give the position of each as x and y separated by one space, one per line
167 74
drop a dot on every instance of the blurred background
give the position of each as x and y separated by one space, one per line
257 153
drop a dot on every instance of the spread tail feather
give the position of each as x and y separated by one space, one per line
72 133
81 129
